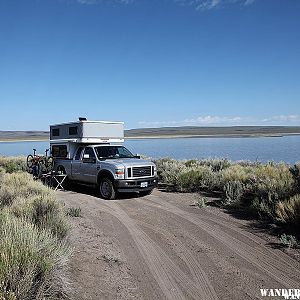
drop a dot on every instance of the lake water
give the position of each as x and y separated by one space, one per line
262 148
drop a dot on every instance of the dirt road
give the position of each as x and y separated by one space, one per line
160 247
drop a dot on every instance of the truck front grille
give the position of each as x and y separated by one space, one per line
141 171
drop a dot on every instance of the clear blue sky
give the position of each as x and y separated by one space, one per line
149 62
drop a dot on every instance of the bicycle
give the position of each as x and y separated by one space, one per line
39 164
48 161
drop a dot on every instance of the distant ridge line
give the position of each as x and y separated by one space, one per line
183 131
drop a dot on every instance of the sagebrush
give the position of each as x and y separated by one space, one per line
269 190
33 248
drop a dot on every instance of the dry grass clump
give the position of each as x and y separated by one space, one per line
44 212
74 212
31 261
273 180
33 251
13 164
239 173
288 211
2 172
22 185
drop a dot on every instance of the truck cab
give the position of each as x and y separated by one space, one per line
110 167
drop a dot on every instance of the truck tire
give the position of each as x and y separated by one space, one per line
107 190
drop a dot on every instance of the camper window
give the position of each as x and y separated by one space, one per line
73 130
59 151
55 132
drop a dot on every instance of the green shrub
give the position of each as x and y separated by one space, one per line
74 211
169 170
192 163
295 170
216 165
288 211
201 202
234 191
13 164
263 209
289 241
200 178
248 163
31 261
262 185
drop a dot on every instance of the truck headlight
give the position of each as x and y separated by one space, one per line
120 173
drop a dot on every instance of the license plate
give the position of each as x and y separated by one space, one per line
144 184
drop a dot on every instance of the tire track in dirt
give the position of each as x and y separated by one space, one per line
210 259
266 264
193 265
174 283
264 252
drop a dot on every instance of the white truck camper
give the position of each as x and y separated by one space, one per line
65 137
91 152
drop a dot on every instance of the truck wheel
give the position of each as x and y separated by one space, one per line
106 189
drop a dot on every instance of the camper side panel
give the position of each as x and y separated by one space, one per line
66 131
103 130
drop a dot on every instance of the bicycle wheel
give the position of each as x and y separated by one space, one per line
43 165
29 161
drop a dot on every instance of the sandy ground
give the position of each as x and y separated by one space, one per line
161 247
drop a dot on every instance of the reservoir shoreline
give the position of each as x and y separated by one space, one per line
250 135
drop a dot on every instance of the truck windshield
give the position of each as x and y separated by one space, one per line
104 152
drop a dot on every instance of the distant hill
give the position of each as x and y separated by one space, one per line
24 135
185 131
190 131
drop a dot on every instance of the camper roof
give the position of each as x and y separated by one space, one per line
87 121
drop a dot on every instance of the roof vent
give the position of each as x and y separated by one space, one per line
82 119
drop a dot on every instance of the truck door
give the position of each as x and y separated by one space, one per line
89 166
76 164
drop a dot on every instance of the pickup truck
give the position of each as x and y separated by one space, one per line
110 168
